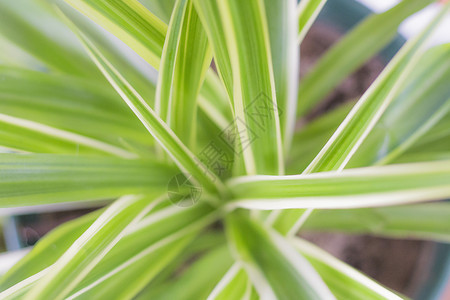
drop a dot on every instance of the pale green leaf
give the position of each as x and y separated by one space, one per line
90 248
161 8
197 281
47 250
428 221
368 110
344 281
255 106
423 102
185 159
70 104
276 270
166 234
309 139
37 31
233 284
308 10
185 59
131 22
34 179
143 32
363 42
352 188
281 18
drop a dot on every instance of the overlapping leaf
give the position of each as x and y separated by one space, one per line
185 59
363 42
365 187
33 179
274 267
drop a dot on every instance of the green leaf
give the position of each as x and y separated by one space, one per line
349 136
281 18
344 281
66 103
185 59
363 42
368 110
145 251
185 159
423 102
210 15
275 268
47 250
255 106
140 75
353 188
20 134
308 10
161 8
142 269
197 281
35 179
428 221
233 285
90 248
308 141
131 22
41 34
436 139
134 254
145 34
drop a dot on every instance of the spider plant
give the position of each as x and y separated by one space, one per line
206 178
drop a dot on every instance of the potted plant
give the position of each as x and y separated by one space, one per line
209 177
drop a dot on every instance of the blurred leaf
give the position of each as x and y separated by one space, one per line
185 159
34 179
281 18
90 248
47 250
418 221
313 136
344 281
308 10
143 32
20 134
197 280
185 59
41 34
131 22
70 104
145 251
352 132
368 110
363 42
161 8
233 284
255 110
353 188
423 102
275 268
133 67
